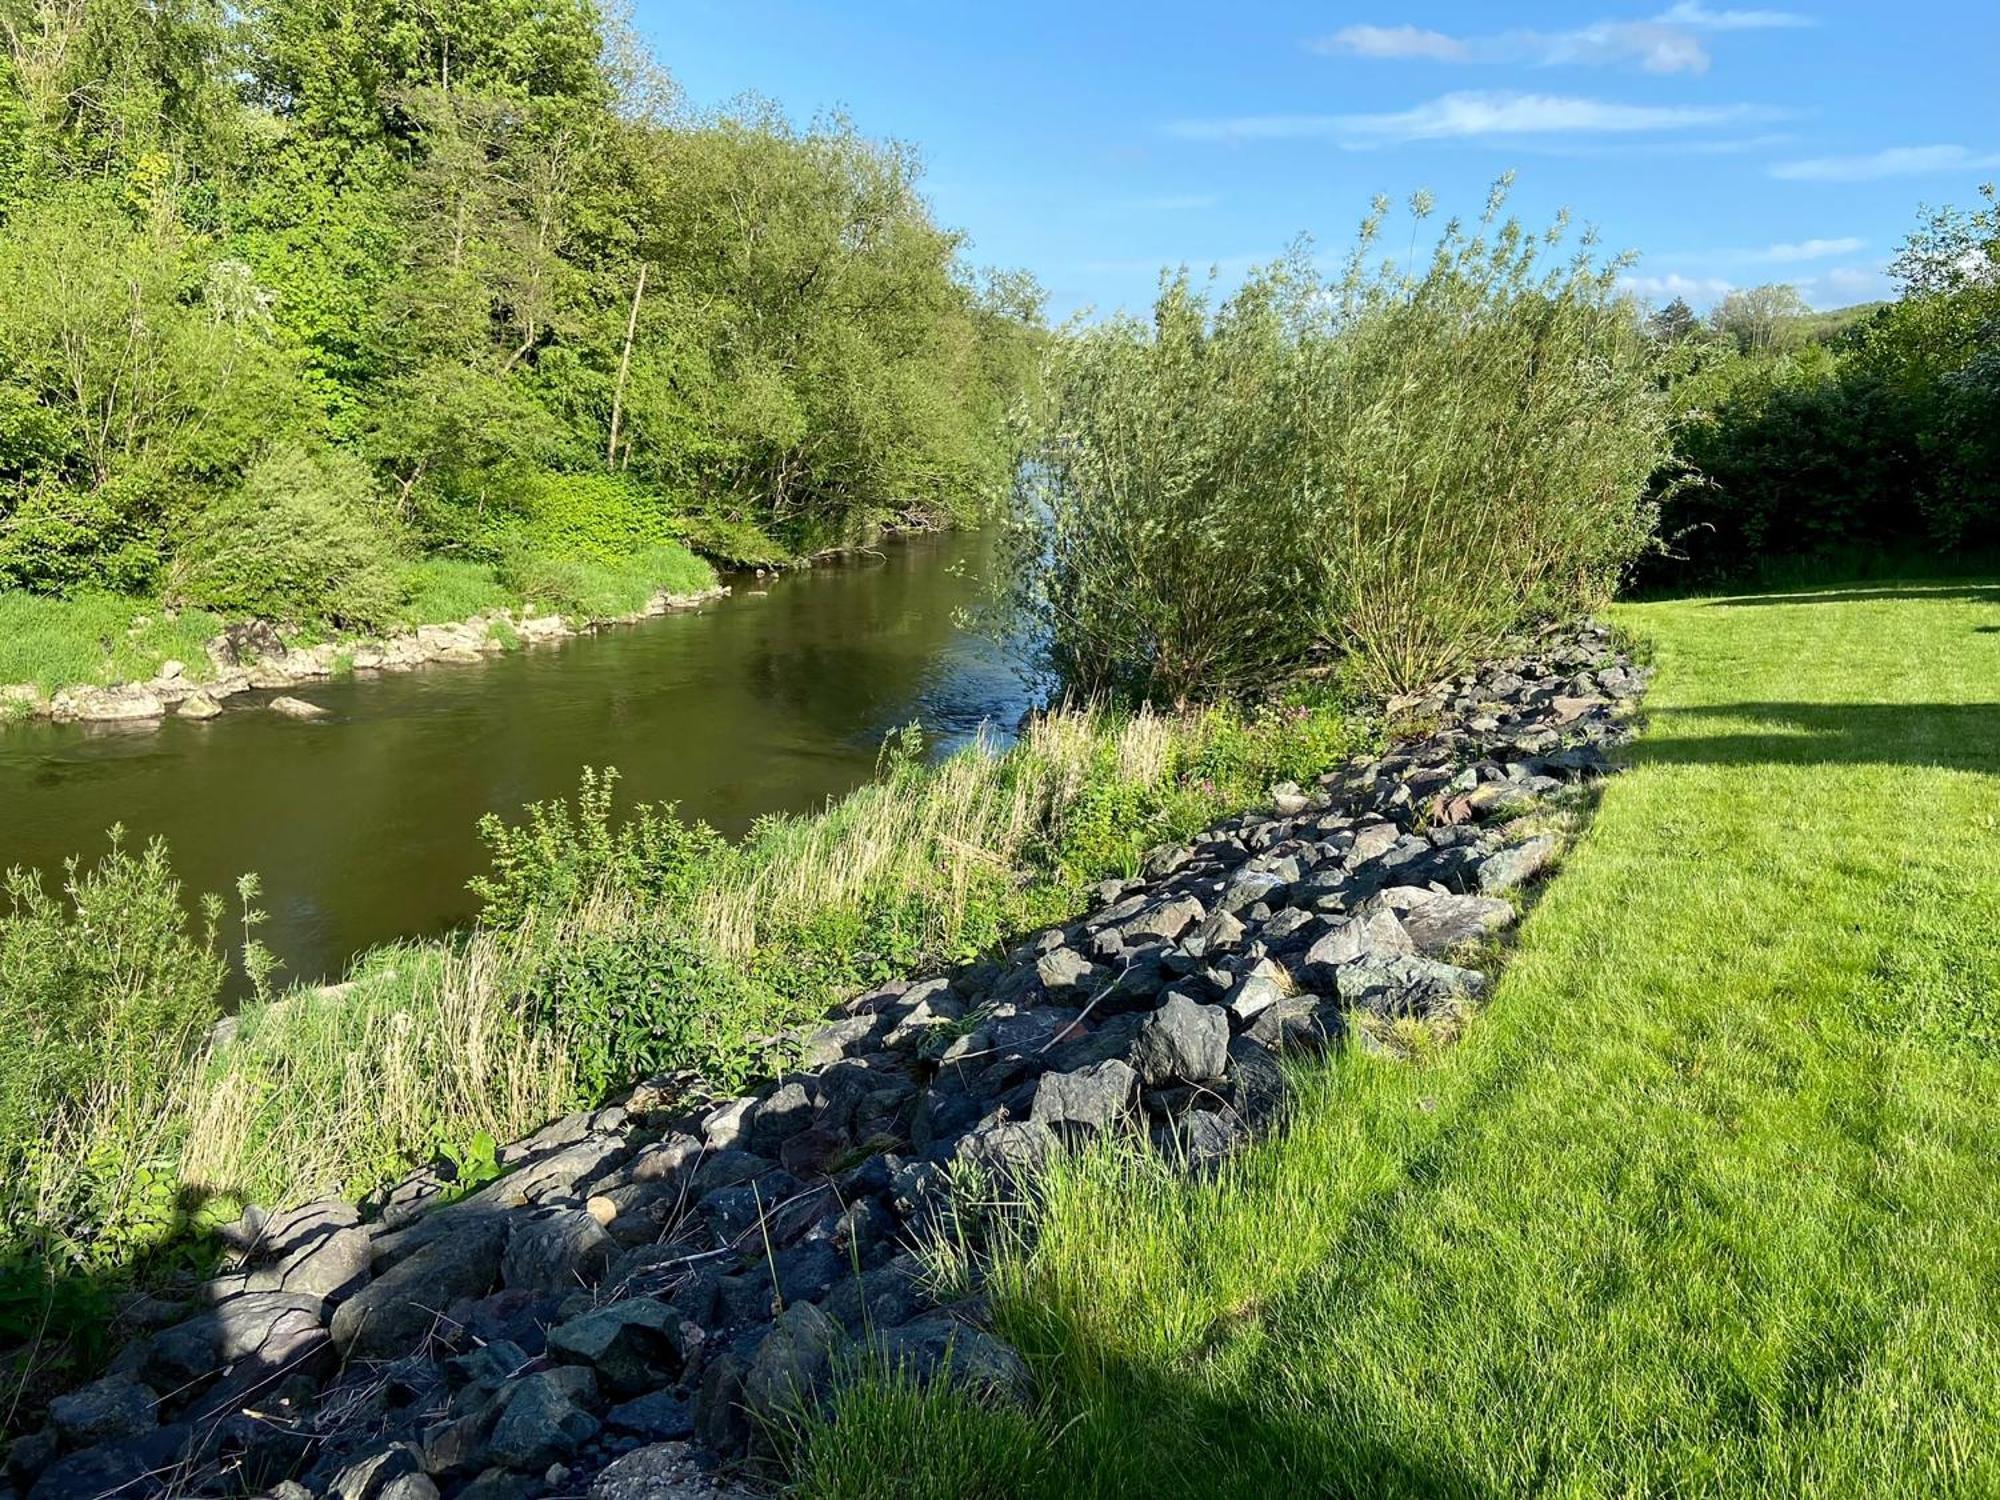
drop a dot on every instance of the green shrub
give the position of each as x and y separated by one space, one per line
585 589
1399 466
56 540
296 542
104 992
444 590
599 518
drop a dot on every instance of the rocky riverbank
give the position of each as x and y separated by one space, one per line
252 657
650 1284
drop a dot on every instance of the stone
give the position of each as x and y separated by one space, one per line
396 1312
786 1112
1516 865
1376 935
1182 1041
254 1325
544 1418
1445 922
634 1345
939 1347
296 708
792 1366
115 1468
371 1476
1009 1151
662 1471
123 704
170 670
559 1252
105 1411
1287 801
659 1416
1221 932
1093 1097
723 1126
1064 971
1165 920
198 705
1407 986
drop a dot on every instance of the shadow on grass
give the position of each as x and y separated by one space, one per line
1954 736
1973 593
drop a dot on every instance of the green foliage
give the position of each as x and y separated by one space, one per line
104 991
1401 466
644 999
295 543
484 251
586 589
1874 437
96 637
560 854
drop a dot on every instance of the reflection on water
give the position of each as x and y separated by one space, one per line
362 825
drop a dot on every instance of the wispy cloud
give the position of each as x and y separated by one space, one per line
1896 161
1803 250
1673 284
1690 13
1472 115
1667 43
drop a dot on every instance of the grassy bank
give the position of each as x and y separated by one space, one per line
102 638
1703 1203
619 942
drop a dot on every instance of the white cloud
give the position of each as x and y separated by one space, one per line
1856 283
1398 42
1673 284
1690 13
1471 115
1896 161
1665 44
1657 49
1804 250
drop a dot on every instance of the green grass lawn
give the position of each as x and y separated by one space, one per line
1707 1202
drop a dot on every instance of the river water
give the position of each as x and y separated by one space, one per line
361 825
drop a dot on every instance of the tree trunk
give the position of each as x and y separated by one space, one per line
624 367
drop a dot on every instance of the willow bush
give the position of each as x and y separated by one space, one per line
1398 466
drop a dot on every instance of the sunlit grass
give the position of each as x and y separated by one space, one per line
1703 1204
97 638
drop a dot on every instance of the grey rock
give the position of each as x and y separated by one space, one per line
1445 922
560 1252
1516 864
1010 1151
242 1328
296 708
659 1416
1094 1096
1407 986
792 1366
133 1466
370 1476
1182 1041
1377 934
663 1471
939 1347
396 1312
198 705
1165 920
1064 971
104 1411
544 1417
787 1111
634 1345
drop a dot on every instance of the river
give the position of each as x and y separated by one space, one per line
362 825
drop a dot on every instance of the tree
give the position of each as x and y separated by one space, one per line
1674 322
1761 318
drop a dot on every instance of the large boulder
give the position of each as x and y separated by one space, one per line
1093 1097
1182 1042
1516 865
396 1312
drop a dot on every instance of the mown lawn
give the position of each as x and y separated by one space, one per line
1706 1203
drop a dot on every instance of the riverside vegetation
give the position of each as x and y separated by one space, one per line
356 320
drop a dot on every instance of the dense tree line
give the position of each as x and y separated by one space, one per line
456 276
1813 440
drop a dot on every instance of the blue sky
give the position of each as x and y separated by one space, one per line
1729 143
